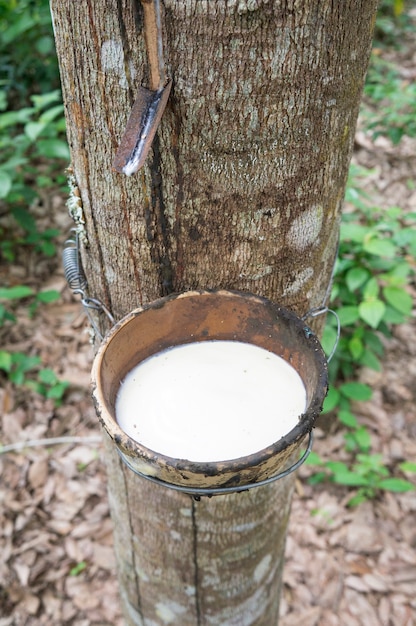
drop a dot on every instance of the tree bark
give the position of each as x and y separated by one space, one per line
242 190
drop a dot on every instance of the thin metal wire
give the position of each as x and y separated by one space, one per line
321 311
197 492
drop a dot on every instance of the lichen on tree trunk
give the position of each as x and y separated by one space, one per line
243 190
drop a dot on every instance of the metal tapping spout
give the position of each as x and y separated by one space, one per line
150 103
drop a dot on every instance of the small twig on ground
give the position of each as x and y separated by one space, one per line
53 441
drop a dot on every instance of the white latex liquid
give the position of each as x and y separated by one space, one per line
210 400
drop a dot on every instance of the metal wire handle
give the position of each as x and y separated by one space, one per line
197 492
321 311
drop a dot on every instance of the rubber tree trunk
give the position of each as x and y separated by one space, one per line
243 190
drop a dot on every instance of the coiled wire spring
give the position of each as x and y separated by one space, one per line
77 282
73 271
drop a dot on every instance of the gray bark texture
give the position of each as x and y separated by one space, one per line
242 190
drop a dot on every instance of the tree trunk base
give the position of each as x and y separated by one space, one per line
213 562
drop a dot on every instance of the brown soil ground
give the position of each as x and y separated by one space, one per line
344 567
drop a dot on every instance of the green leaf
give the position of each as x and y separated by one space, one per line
3 101
53 149
317 478
348 419
380 247
45 46
52 113
356 391
372 312
407 466
334 292
399 299
350 479
5 183
331 400
356 348
47 376
350 443
42 101
353 232
24 362
313 459
394 212
47 248
356 277
15 293
348 315
5 361
23 23
398 485
12 118
5 315
34 129
34 386
371 289
57 391
362 438
393 316
329 339
60 125
406 237
48 296
362 496
24 219
372 340
398 7
337 467
372 462
369 359
49 233
78 568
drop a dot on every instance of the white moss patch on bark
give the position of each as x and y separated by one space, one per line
305 229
